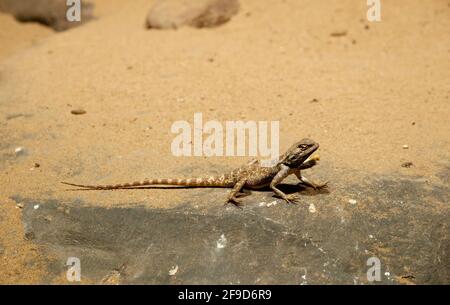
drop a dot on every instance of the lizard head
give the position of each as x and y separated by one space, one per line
298 153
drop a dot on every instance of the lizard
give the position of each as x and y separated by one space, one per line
252 175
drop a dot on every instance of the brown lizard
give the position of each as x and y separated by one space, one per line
249 176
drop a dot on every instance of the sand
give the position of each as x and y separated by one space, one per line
362 95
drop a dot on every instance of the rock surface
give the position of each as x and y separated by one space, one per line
401 221
172 14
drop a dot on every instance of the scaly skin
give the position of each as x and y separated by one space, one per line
249 176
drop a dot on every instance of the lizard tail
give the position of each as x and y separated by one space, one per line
211 181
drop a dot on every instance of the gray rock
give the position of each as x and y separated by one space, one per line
403 221
172 14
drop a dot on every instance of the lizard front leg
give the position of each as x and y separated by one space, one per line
283 173
234 193
309 183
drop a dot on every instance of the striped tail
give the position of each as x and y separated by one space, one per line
221 181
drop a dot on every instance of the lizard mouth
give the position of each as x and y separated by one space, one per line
311 157
310 151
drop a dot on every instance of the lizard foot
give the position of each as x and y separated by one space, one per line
291 198
320 186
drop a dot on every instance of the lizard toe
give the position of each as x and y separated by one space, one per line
321 186
291 199
235 202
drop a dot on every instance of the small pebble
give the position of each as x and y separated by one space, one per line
19 150
221 242
312 208
19 205
29 235
36 206
405 146
78 111
36 165
338 34
352 201
174 270
407 164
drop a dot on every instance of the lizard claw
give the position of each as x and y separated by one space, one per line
321 186
291 199
235 202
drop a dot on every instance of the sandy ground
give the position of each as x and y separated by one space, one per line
362 96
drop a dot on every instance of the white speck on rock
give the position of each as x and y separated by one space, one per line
19 150
312 208
272 203
388 274
352 201
370 236
174 270
36 206
221 242
261 204
304 281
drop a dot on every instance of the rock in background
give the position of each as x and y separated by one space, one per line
172 14
48 12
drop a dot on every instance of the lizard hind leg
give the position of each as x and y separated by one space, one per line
243 193
232 196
